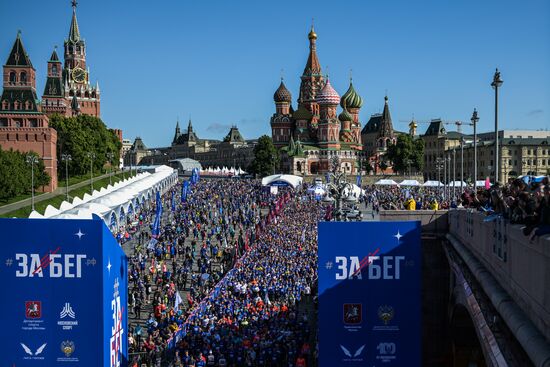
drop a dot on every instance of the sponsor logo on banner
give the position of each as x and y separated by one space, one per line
353 313
386 314
68 348
386 352
67 313
355 356
33 316
33 309
29 353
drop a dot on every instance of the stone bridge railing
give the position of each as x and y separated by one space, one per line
513 271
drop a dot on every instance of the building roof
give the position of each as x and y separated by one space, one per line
53 87
386 126
138 144
302 113
18 56
372 125
511 142
54 57
435 128
22 96
234 136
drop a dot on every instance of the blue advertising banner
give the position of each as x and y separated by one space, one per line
65 292
369 294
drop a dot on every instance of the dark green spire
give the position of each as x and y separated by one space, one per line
74 32
18 55
54 56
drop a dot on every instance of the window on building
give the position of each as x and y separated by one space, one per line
54 69
13 77
529 162
23 77
509 162
3 122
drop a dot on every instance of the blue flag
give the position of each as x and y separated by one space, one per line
184 191
359 180
327 177
173 203
156 224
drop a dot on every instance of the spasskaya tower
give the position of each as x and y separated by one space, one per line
77 95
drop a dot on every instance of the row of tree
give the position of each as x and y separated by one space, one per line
87 140
16 175
405 156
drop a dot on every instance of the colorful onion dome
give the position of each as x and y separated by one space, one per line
351 99
327 95
282 94
345 116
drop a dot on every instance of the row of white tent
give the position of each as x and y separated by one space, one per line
223 171
115 202
429 183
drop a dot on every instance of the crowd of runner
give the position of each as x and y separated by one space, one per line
260 251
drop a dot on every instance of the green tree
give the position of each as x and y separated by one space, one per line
407 153
15 174
266 157
81 135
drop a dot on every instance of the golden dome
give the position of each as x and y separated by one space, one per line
312 35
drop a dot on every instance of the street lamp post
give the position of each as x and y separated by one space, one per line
439 166
91 155
66 158
32 160
454 172
461 165
497 82
474 120
110 155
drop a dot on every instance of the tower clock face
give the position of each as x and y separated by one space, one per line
79 75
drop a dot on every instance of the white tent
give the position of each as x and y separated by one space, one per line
410 183
355 191
481 183
291 180
457 184
116 198
386 182
433 184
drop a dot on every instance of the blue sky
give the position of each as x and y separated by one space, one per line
219 62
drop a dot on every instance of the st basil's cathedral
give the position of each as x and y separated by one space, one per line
309 137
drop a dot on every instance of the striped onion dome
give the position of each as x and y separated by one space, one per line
351 99
327 95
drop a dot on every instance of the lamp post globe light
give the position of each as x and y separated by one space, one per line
496 83
91 155
474 120
32 160
66 158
